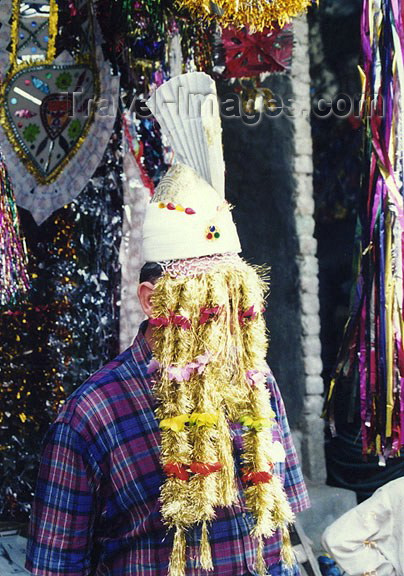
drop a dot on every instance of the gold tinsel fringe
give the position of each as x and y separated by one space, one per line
261 566
236 340
205 551
227 491
287 554
178 560
255 14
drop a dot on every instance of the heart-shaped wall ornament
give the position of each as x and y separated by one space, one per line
57 113
48 111
55 121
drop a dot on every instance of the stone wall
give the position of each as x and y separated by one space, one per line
311 425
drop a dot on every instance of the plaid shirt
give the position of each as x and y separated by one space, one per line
96 507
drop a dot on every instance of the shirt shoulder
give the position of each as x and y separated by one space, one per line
96 402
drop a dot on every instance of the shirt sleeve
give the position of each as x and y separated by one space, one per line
294 484
62 518
359 539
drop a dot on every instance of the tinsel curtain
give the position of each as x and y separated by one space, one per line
67 325
66 328
371 357
13 275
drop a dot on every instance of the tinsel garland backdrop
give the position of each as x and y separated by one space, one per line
67 328
139 36
254 15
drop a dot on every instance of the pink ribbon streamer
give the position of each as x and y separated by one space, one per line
182 373
255 377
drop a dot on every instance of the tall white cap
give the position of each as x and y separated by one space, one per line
188 216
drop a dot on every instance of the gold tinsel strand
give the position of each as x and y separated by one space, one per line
205 400
267 501
226 492
178 559
287 553
255 14
206 553
261 566
173 400
53 30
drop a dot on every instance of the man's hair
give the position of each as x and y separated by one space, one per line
150 272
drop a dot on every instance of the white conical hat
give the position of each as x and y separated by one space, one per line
188 216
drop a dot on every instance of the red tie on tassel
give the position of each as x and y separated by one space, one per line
248 314
255 477
176 469
209 313
160 321
181 470
175 319
205 469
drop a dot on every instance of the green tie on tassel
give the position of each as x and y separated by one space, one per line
177 560
205 551
288 556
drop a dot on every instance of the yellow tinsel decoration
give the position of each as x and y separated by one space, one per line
260 565
177 560
254 14
194 415
176 423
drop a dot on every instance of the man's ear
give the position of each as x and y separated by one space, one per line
144 292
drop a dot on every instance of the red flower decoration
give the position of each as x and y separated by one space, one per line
176 469
250 54
205 469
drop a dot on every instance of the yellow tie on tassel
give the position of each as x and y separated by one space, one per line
177 560
288 556
205 551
